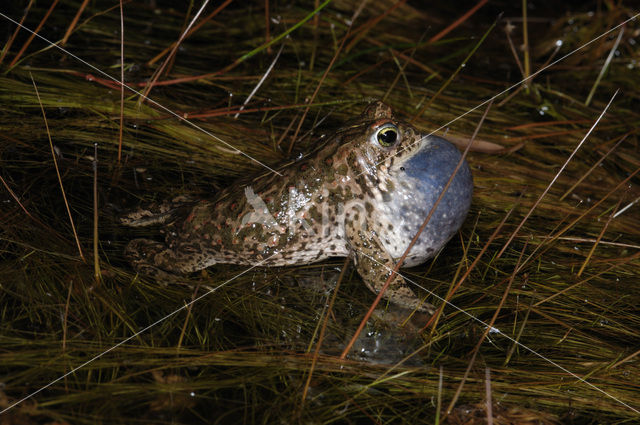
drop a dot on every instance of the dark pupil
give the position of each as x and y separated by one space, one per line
387 137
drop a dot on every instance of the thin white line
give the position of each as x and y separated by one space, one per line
164 108
11 406
193 21
511 87
257 87
626 208
555 178
496 330
176 45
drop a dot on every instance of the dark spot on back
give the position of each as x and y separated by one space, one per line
368 207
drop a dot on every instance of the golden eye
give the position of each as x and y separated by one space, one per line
387 135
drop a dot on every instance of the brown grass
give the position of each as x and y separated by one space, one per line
566 286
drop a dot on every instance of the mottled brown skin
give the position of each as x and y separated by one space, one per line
321 207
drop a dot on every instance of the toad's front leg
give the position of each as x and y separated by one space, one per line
375 265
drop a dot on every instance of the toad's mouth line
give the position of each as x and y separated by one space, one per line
186 305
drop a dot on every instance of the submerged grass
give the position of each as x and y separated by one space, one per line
243 352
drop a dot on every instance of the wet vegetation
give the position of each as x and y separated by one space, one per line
541 324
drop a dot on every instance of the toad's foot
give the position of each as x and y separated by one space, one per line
144 255
155 213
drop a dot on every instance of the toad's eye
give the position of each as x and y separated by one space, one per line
387 135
